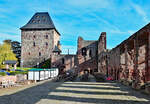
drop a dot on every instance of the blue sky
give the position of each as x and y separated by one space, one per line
73 18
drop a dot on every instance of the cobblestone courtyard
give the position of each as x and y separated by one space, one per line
72 93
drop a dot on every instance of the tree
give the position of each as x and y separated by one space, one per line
7 41
6 53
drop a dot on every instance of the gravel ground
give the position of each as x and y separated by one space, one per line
48 92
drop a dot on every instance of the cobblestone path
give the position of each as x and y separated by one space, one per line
75 93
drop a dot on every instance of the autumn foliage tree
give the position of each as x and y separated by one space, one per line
6 53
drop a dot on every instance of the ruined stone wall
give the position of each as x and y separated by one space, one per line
113 59
102 43
102 63
64 62
70 62
102 54
37 46
129 61
88 60
56 60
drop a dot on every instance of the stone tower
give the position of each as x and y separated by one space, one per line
38 37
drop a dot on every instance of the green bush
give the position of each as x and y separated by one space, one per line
99 77
24 69
46 64
2 73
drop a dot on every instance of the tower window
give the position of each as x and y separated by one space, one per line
37 16
52 32
39 53
38 21
34 44
46 44
33 21
46 36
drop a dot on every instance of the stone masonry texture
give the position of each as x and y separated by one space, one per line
37 46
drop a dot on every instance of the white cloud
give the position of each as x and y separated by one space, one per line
140 11
117 32
129 32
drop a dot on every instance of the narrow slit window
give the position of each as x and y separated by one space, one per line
46 36
84 52
34 44
63 61
39 53
90 53
46 44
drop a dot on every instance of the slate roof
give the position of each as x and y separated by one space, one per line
41 20
10 62
56 49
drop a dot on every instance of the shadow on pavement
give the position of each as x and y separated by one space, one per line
94 100
43 91
30 95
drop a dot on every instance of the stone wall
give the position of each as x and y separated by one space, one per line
14 78
102 54
37 46
8 78
56 39
86 55
129 61
102 42
64 62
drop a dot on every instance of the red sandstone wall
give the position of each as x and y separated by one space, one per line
102 42
102 54
69 62
88 62
130 60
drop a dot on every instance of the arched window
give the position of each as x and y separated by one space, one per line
90 53
63 60
83 51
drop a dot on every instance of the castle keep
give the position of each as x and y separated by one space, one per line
38 37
